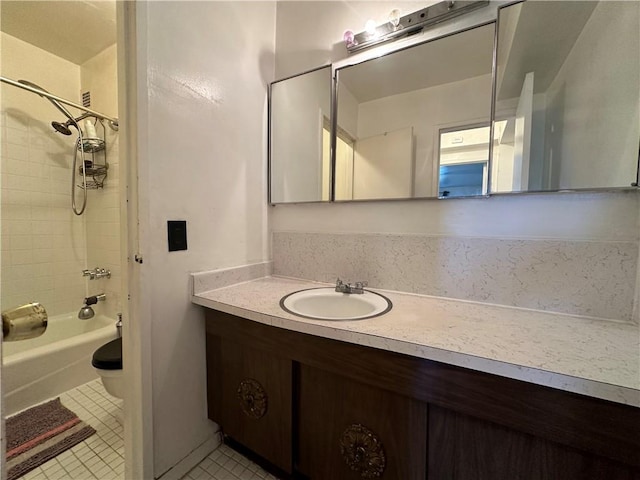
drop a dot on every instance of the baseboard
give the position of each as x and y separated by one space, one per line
181 468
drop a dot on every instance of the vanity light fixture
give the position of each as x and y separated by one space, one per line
409 24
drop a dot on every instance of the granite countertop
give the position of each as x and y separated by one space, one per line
599 358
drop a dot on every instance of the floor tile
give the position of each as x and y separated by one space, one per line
85 461
227 464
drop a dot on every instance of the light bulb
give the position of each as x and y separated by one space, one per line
349 38
370 27
394 18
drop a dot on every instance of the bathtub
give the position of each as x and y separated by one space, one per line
60 359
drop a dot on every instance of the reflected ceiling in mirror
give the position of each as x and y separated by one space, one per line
567 96
299 134
392 110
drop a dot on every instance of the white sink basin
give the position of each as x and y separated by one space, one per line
327 304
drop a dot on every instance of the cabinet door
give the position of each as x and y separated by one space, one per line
249 394
348 430
465 448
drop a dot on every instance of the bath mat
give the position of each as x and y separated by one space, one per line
39 434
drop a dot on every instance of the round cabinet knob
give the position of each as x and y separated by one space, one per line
252 398
362 451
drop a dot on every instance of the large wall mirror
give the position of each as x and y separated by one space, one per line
415 123
300 160
567 96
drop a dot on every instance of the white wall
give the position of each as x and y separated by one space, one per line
309 33
591 127
428 110
203 160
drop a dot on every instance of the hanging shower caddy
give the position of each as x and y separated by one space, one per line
94 152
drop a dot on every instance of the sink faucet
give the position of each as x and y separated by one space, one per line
342 287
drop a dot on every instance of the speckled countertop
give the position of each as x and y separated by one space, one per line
593 357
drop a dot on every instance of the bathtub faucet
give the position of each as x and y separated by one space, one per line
86 312
96 273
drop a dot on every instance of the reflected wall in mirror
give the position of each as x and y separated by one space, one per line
393 110
567 96
299 154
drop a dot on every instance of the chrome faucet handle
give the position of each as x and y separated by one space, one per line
342 287
358 287
96 273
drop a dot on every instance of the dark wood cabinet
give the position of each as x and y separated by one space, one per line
350 430
334 408
249 395
465 448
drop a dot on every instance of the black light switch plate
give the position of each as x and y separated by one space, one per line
177 234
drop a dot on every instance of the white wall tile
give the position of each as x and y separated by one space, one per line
30 153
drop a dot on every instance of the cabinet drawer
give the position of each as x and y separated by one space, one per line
249 396
342 422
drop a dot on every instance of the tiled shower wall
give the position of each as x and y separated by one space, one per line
99 76
45 246
591 278
43 242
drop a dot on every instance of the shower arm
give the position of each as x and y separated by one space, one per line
113 122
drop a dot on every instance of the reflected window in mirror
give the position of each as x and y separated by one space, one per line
567 110
463 160
393 108
299 153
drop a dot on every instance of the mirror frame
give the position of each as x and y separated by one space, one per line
633 186
269 132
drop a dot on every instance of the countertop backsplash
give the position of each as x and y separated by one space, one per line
586 278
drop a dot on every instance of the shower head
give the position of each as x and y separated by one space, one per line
61 128
55 103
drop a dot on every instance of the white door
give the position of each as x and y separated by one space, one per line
522 140
383 166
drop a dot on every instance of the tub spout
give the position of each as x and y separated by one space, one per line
86 312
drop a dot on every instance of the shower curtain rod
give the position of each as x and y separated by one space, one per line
42 93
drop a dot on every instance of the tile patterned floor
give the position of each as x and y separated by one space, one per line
101 456
227 464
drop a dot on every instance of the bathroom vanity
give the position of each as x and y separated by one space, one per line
415 393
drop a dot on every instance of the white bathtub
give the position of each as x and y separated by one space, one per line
60 359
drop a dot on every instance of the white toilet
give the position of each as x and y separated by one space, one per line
107 360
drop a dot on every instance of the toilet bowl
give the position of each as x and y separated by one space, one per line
107 361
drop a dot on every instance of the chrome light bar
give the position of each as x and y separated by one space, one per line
413 23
